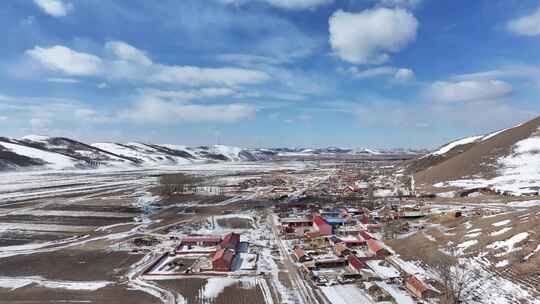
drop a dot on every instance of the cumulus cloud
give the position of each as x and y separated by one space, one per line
527 25
469 90
404 75
370 36
124 51
397 74
130 63
55 8
63 59
286 4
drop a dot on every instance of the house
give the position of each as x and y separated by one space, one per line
330 262
341 249
378 248
420 289
231 241
320 225
334 240
383 270
296 222
352 241
223 259
301 255
335 221
200 240
377 293
355 264
318 242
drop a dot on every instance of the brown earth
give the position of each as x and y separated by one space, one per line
478 160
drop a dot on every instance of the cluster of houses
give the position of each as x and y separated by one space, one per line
346 247
206 254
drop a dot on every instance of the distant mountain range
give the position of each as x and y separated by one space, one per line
41 152
58 153
507 161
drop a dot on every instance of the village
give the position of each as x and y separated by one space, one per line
336 249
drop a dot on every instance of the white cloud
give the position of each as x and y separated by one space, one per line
285 4
55 8
469 90
160 111
404 75
3 118
369 36
187 95
130 63
63 59
527 25
158 106
63 80
102 85
197 76
506 72
127 52
397 74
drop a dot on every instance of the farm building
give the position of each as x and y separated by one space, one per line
200 240
296 222
223 259
230 241
321 225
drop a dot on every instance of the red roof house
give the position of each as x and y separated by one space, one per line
231 241
223 259
377 248
420 289
354 263
321 225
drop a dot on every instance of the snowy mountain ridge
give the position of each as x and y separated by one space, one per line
57 153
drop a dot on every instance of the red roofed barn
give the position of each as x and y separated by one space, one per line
230 241
321 225
355 263
222 260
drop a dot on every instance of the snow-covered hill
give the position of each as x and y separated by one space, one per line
57 153
507 161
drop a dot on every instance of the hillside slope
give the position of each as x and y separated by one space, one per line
507 161
57 153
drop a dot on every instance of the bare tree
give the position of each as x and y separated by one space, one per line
176 183
455 277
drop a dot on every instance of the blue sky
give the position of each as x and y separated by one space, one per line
351 73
